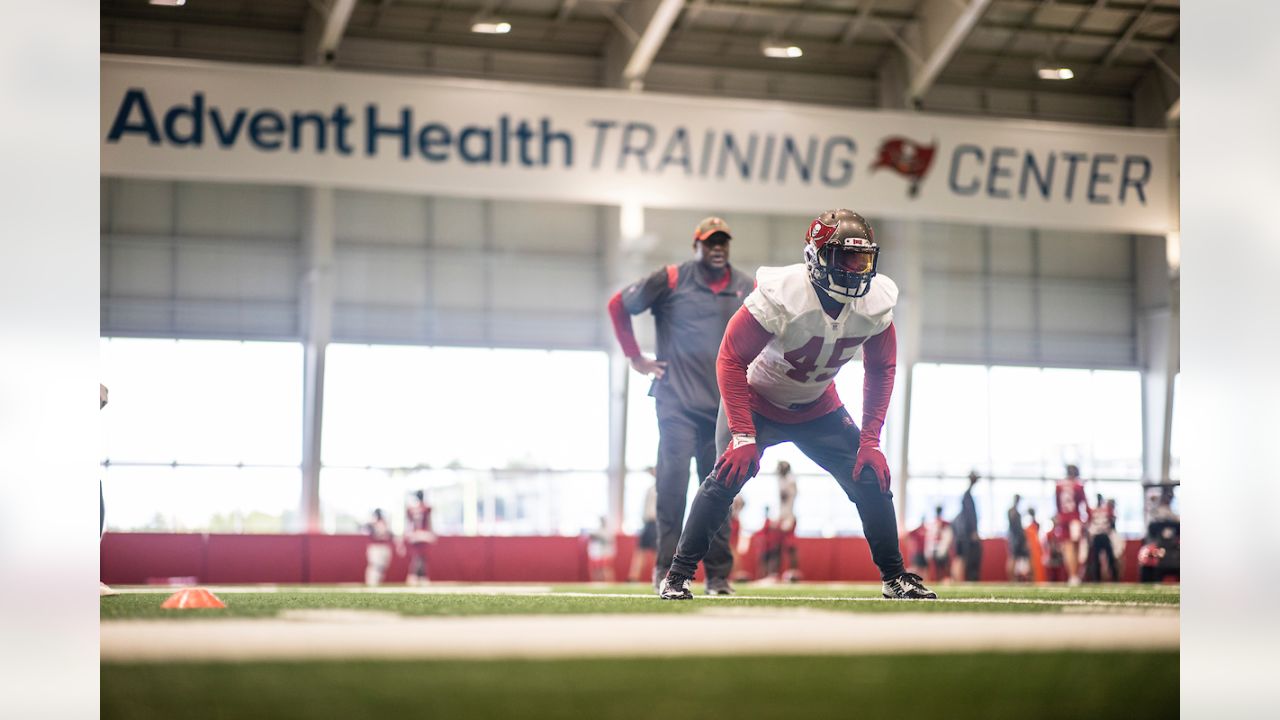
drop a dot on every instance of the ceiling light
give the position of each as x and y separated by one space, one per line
491 28
781 51
169 3
1055 73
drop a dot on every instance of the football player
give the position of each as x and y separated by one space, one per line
691 304
418 532
786 547
1068 524
776 367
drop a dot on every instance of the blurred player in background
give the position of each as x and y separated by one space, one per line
1102 523
1068 524
378 552
1117 542
768 547
967 563
601 549
647 541
418 533
1035 552
938 539
691 304
786 561
1019 561
913 544
738 543
776 367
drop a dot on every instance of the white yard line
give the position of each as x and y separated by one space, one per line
793 598
546 591
720 631
362 589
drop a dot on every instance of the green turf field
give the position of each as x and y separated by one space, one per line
571 599
945 687
961 684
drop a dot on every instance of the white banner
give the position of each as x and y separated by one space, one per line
213 121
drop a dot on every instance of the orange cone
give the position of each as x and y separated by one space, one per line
191 598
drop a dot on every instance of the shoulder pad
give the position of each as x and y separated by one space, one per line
781 282
882 297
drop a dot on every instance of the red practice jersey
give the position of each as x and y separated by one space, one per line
417 519
1071 499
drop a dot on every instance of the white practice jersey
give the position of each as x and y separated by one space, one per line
808 346
786 501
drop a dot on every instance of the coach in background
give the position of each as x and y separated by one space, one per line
691 305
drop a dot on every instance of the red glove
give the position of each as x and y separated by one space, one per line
869 456
739 463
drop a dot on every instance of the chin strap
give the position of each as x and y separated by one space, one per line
841 298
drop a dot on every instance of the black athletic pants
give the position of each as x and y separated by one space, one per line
831 441
1100 545
973 560
684 436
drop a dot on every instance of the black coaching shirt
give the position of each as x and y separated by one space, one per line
690 319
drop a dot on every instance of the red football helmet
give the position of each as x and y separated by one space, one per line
841 253
1150 555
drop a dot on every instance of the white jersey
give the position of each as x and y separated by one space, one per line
809 346
786 501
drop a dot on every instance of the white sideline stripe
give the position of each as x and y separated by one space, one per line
361 589
793 598
740 631
546 591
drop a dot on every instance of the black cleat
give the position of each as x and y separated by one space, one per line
907 586
675 587
719 586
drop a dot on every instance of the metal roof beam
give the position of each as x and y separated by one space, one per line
1128 35
826 14
566 9
944 25
1163 11
1058 36
855 26
325 25
631 54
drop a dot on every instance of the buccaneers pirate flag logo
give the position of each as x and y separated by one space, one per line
906 157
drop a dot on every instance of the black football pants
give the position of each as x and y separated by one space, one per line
684 436
831 441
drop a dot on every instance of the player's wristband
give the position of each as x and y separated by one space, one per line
740 439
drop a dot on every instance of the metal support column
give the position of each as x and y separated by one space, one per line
613 227
902 261
316 321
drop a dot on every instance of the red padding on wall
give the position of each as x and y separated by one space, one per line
337 558
131 558
539 559
853 560
816 557
255 559
995 556
460 559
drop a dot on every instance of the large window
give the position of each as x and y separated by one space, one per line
502 441
1020 426
202 434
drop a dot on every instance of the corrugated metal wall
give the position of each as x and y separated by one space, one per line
225 261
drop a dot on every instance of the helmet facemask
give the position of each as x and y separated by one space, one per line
844 273
841 254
